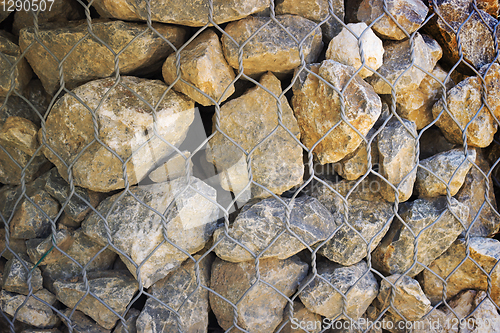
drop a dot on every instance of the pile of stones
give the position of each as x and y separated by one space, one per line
252 166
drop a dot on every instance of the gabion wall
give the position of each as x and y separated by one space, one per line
249 166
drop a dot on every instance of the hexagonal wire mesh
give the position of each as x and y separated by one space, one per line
157 227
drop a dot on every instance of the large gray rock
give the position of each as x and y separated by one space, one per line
16 277
114 288
318 108
434 221
356 282
188 223
261 309
33 312
248 120
257 226
144 50
272 48
179 291
124 123
191 13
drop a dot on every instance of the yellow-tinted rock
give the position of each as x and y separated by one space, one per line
21 73
174 168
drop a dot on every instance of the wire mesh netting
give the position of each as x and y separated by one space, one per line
249 166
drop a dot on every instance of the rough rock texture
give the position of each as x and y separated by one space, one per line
318 108
113 287
191 13
34 312
257 226
18 136
16 274
491 74
451 167
472 194
60 11
174 168
476 39
173 291
395 253
484 251
397 154
398 60
190 223
344 48
82 250
409 300
203 66
144 54
463 102
20 75
409 14
272 48
416 105
248 120
83 324
39 247
359 288
301 318
317 11
76 207
130 322
261 310
15 245
125 123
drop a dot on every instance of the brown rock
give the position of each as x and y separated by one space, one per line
409 14
301 320
276 162
191 13
261 309
33 312
16 277
202 66
81 323
19 75
125 124
398 67
14 245
130 320
318 108
469 275
145 52
39 247
463 102
272 48
491 74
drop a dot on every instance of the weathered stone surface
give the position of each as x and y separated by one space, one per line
397 154
302 320
463 102
33 312
317 11
484 251
451 166
18 136
344 48
190 223
318 108
272 48
191 13
113 287
395 253
173 291
145 53
409 14
417 105
476 38
83 324
319 297
125 123
174 168
398 67
491 74
38 247
249 119
261 310
21 73
16 245
409 300
60 11
76 207
130 322
82 250
203 66
257 226
16 274
472 194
